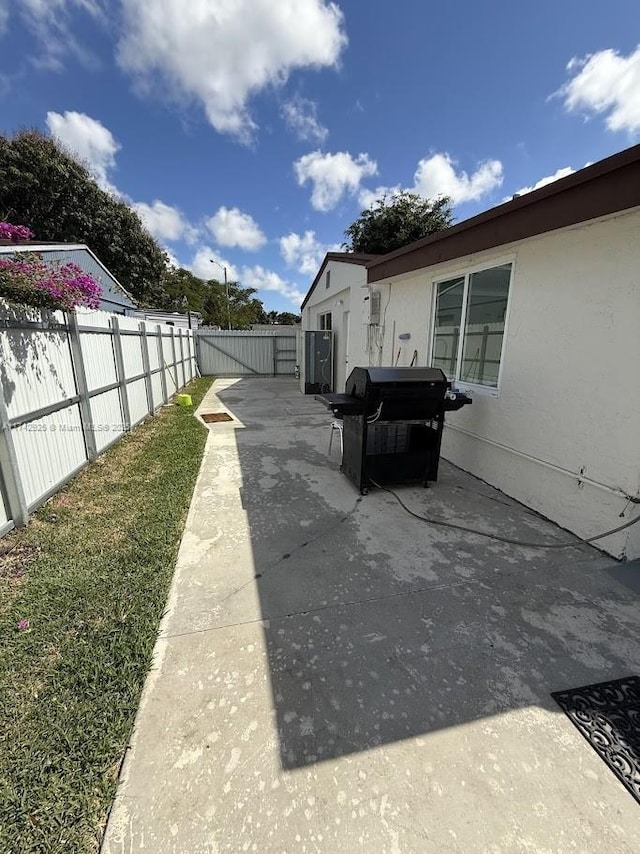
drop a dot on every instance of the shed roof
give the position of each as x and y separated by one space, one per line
606 187
113 293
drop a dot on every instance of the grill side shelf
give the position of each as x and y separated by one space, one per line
342 404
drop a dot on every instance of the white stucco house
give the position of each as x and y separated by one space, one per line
335 303
534 308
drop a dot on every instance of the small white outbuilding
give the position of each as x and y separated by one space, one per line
534 308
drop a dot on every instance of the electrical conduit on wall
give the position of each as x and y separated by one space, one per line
578 476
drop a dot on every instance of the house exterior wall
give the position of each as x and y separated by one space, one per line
344 296
568 402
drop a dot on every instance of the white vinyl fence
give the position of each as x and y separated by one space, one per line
244 354
71 385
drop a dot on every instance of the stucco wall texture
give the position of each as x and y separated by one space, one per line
562 432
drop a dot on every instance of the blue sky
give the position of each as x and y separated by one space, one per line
253 132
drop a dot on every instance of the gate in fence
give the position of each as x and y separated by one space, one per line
245 354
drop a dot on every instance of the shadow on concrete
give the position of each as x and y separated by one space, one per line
378 627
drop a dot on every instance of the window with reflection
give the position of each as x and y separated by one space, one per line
468 329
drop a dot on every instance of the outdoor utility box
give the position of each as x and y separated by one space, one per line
392 424
317 366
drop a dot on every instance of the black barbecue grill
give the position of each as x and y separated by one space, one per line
392 423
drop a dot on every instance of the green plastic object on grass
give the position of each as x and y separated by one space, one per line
183 400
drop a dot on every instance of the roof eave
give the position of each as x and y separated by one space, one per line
360 258
606 187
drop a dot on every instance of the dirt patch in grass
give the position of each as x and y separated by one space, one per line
82 591
15 558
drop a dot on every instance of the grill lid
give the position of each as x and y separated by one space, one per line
363 382
378 376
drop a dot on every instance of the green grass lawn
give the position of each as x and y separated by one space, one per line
90 574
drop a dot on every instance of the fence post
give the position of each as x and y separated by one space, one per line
146 365
175 364
184 370
187 367
84 404
274 351
163 376
10 471
196 351
120 373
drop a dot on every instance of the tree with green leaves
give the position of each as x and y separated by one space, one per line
45 188
245 308
282 318
183 291
186 292
288 318
395 221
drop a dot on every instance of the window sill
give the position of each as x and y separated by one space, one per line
477 390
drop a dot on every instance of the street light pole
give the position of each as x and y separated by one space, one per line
226 290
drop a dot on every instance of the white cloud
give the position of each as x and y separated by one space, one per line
367 197
254 277
172 260
165 222
548 179
606 83
50 21
89 140
220 53
232 227
95 145
301 115
436 176
332 176
202 265
304 252
266 280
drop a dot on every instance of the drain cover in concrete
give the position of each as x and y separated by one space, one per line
215 417
608 716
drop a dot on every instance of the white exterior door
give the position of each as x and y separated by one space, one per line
342 366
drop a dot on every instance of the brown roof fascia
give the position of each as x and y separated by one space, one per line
344 257
605 187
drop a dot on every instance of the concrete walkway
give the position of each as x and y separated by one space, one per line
333 675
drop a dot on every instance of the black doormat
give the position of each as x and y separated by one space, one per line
608 716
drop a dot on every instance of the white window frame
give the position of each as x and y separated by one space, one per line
322 321
467 272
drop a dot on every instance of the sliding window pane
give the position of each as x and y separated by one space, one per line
446 334
484 327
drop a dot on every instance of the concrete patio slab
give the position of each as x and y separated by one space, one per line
333 674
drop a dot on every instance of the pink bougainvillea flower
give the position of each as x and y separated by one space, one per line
24 624
30 281
15 233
